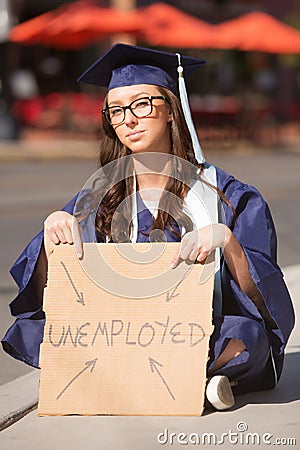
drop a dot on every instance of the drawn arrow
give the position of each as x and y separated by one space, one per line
80 298
88 364
171 295
153 367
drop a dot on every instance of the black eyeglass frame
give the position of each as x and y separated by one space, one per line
105 112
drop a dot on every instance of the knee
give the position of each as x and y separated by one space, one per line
254 336
248 333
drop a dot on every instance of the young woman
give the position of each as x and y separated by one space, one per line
143 116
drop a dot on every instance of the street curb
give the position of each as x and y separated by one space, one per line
18 398
48 150
68 149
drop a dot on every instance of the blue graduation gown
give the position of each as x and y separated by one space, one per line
258 367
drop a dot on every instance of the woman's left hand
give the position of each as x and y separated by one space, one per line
196 245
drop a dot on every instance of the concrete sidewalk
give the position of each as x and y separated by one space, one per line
263 418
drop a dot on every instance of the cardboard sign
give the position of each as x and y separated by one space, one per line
125 334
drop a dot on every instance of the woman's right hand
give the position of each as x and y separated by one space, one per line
61 227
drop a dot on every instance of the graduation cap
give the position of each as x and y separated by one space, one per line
127 65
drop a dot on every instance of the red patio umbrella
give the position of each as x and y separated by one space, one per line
169 27
257 31
74 25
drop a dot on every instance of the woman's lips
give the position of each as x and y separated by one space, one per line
134 135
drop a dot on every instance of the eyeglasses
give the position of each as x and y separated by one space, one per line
142 107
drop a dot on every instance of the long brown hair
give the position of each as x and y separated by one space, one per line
111 149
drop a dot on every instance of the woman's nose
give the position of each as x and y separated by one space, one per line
129 117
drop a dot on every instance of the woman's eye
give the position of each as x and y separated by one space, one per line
141 104
115 111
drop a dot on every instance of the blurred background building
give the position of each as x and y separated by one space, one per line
238 95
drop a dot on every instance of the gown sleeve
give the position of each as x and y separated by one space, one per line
255 231
23 338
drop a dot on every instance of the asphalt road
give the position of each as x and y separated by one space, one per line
31 190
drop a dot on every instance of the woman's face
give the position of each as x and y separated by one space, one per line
147 134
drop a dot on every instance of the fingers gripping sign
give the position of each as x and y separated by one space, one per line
198 244
61 227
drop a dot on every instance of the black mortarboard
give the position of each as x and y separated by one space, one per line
125 65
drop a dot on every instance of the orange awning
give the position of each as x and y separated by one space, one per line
74 25
167 26
257 31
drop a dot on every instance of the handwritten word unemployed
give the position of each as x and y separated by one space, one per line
116 331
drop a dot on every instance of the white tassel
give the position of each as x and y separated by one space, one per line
134 226
187 113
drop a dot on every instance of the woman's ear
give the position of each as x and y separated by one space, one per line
170 116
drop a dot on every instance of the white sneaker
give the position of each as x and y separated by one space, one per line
219 392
